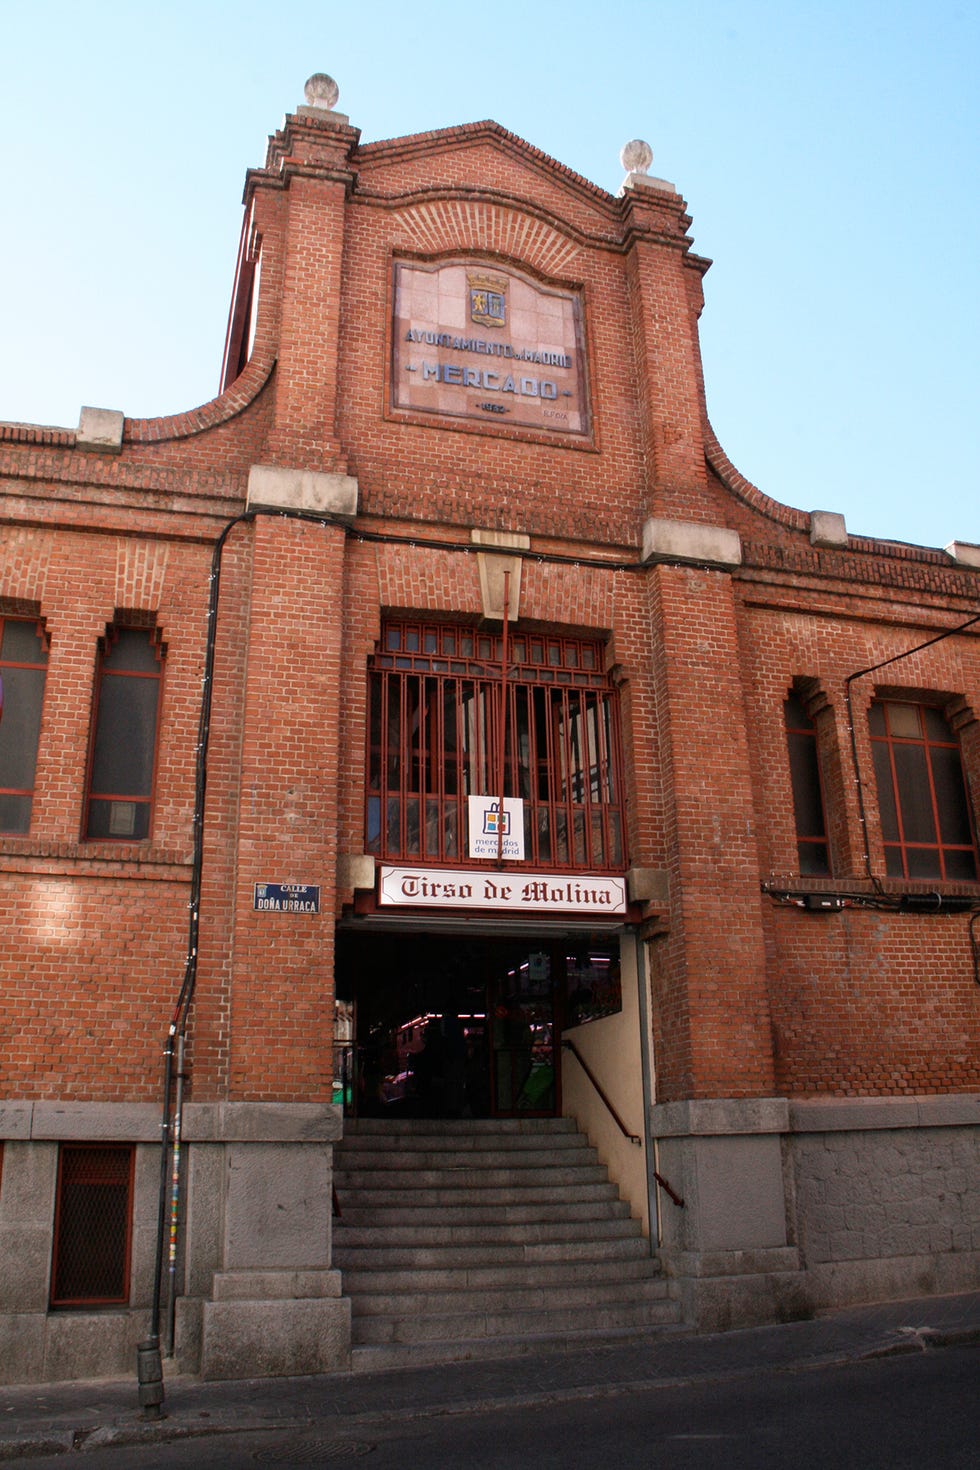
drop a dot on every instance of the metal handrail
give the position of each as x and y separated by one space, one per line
570 1046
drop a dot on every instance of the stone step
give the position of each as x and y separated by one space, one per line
380 1357
566 1176
411 1162
466 1240
478 1214
361 1281
483 1301
445 1327
380 1253
466 1128
501 1195
545 1231
407 1144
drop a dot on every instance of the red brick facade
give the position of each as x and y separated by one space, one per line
752 995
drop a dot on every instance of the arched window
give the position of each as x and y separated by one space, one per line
808 805
922 796
23 663
122 758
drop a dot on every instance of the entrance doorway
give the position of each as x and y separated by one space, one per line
446 1026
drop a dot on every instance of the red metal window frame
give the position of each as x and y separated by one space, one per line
83 1250
904 856
435 692
102 673
36 664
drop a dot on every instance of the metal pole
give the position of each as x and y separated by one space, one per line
502 724
174 1199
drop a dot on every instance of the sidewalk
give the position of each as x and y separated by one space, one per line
62 1416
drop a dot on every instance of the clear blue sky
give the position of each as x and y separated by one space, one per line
828 153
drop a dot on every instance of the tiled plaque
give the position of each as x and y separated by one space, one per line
483 343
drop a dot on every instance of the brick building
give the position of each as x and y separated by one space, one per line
437 696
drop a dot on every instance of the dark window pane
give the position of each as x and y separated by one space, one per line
127 821
923 862
893 862
915 798
15 813
21 643
814 860
394 824
805 775
947 775
125 736
903 721
876 719
23 695
961 865
412 826
795 714
804 767
131 651
373 824
886 794
936 726
374 737
616 838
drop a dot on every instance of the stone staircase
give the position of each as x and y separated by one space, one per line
482 1239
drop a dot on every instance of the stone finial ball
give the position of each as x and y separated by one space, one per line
321 91
636 157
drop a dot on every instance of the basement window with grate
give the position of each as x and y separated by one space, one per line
93 1226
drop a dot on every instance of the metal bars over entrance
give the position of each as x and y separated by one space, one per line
435 717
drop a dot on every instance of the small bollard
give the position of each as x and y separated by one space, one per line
149 1375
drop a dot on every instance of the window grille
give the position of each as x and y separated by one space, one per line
23 664
93 1226
124 735
922 797
434 734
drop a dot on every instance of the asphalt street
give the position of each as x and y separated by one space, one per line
890 1384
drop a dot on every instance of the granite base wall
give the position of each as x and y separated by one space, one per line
795 1207
256 1290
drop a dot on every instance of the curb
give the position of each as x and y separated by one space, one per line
900 1343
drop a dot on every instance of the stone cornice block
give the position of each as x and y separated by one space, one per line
827 529
639 182
648 885
492 569
332 497
15 1119
964 552
356 870
856 1114
100 431
690 541
252 1122
95 1122
715 1116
